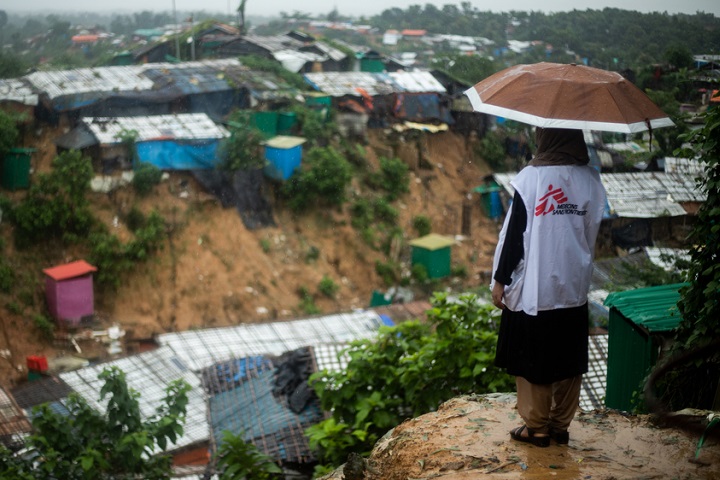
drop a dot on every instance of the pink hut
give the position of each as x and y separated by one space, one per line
69 291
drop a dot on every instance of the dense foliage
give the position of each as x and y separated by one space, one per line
56 206
408 370
322 180
9 134
239 460
695 384
87 444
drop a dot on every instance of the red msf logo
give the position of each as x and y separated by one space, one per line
545 205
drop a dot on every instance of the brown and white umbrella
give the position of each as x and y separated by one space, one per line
553 95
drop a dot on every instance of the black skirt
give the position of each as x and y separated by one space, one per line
546 348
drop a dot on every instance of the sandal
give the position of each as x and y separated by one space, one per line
561 437
531 437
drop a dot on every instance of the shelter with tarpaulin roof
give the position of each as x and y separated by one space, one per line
385 98
170 142
213 87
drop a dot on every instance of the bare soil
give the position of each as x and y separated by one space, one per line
213 271
467 438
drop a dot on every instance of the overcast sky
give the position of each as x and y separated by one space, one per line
356 8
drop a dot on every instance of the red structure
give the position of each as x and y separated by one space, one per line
69 291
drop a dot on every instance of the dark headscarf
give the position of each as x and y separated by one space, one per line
559 146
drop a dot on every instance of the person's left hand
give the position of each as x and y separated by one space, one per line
497 295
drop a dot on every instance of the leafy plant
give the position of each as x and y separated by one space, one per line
45 326
492 150
9 133
243 149
307 302
240 460
145 178
408 370
86 444
388 271
128 138
323 180
328 287
393 178
422 225
688 386
55 206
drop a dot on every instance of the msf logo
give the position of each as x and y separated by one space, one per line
546 203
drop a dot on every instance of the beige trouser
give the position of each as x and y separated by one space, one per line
547 406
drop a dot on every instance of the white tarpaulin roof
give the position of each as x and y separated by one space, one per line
187 126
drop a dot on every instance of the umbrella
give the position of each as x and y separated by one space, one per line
553 95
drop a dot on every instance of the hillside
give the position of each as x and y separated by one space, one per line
213 271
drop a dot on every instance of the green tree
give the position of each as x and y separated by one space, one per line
55 206
408 370
87 444
695 384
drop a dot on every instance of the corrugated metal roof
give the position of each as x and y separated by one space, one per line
90 80
338 84
149 374
417 82
665 257
187 126
273 42
638 194
654 308
201 348
13 424
646 194
16 90
683 165
592 393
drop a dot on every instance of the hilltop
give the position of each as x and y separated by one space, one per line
213 271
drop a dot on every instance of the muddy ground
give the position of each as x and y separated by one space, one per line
467 438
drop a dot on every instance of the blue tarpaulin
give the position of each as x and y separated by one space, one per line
179 155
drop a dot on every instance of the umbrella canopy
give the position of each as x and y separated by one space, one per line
553 95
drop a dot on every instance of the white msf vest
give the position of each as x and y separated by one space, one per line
564 207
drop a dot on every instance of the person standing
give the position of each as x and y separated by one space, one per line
541 276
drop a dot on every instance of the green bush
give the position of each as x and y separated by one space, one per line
56 206
7 277
146 177
328 287
307 302
239 460
323 180
492 150
393 178
422 225
419 273
45 326
243 149
113 258
406 371
9 133
388 271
